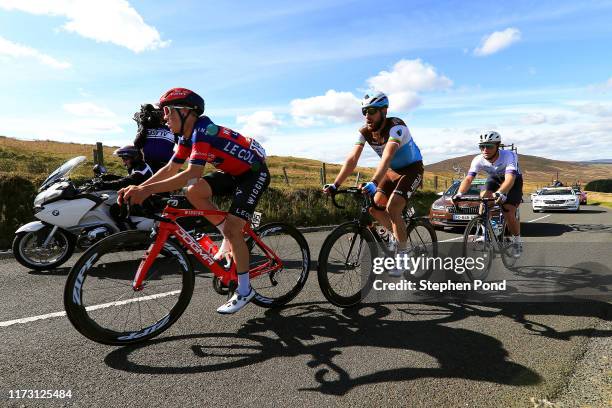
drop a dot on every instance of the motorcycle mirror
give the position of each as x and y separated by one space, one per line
99 169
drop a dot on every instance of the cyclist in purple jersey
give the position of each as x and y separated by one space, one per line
154 138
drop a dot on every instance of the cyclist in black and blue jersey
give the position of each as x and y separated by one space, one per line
397 176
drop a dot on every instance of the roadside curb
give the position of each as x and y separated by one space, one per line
6 254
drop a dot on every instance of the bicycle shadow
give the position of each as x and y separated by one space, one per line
324 333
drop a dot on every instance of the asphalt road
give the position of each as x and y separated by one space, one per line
311 353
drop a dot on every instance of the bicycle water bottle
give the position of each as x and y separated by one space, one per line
208 244
496 227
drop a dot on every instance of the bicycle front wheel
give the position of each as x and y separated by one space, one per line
345 264
103 306
477 245
274 285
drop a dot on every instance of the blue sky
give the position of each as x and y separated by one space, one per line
291 74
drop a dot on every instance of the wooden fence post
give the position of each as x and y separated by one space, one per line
436 184
321 176
324 175
286 178
100 153
357 180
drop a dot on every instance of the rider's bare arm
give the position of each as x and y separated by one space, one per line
385 161
349 165
465 184
164 173
508 183
177 181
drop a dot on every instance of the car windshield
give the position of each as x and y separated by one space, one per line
452 190
557 192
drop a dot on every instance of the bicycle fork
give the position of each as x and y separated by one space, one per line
148 258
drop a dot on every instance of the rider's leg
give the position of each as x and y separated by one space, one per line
240 252
199 196
514 225
394 210
381 216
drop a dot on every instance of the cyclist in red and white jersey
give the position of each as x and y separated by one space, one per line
242 173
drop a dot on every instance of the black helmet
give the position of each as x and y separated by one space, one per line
128 152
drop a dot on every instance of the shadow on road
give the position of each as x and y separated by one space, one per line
323 333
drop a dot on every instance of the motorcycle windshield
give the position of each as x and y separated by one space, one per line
63 171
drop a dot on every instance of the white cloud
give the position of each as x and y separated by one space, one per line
88 109
497 41
259 124
14 50
405 80
113 21
401 84
339 107
538 118
597 109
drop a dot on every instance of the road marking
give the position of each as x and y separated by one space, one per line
541 218
451 239
94 307
454 239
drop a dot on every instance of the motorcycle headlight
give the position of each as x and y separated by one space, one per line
45 196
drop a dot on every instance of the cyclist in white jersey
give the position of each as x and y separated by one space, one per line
505 181
398 174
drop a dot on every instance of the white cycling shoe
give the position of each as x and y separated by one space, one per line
236 302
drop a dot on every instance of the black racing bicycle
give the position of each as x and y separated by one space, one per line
483 239
347 255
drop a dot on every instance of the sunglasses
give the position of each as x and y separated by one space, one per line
370 110
168 109
486 146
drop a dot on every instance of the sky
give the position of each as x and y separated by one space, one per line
291 74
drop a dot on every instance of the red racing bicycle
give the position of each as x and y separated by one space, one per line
133 285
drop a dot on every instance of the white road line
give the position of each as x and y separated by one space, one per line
451 239
454 239
541 218
94 307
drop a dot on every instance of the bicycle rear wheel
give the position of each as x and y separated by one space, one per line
423 240
345 264
477 245
101 303
277 287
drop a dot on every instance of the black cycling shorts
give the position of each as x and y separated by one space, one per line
246 189
515 195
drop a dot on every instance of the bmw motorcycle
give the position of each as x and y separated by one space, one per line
68 216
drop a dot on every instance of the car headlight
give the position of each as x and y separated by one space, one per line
438 207
572 201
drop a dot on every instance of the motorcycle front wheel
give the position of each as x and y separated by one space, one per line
29 251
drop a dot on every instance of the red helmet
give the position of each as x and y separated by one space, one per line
182 97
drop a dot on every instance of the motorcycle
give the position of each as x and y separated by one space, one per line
68 216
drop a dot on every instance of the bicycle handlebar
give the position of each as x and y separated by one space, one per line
356 191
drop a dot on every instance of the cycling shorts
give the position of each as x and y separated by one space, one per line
514 196
402 181
245 188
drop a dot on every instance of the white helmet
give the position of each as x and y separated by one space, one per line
489 137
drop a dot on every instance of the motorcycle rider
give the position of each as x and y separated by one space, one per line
153 138
138 170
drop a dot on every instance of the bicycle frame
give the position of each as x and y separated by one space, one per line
168 227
